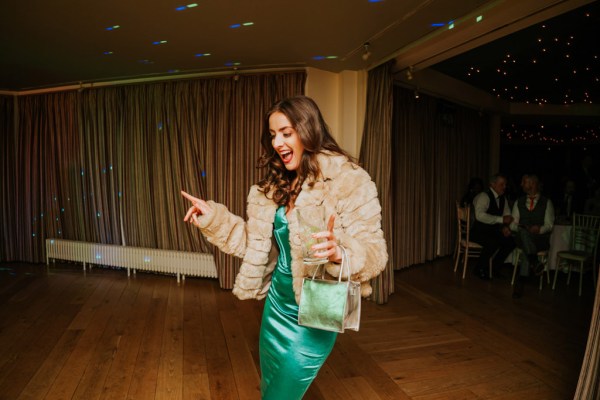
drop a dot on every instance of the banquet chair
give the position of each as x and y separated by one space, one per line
542 257
582 248
464 246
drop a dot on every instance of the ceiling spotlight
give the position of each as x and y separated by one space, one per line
417 93
366 53
409 73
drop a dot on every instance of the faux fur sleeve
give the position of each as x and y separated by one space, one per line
224 229
359 229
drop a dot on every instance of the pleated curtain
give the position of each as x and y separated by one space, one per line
376 159
421 153
107 165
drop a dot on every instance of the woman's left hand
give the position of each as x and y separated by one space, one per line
328 248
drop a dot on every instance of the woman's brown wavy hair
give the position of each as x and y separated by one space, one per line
306 119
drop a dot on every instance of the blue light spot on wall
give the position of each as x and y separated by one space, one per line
318 57
235 26
180 8
438 24
204 174
62 210
120 194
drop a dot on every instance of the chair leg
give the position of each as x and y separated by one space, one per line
457 257
466 258
516 260
580 276
556 272
544 260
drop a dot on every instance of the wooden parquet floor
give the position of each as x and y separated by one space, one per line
99 335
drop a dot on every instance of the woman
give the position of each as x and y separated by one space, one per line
305 167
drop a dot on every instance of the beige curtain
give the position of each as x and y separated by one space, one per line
376 158
437 146
7 182
588 387
106 165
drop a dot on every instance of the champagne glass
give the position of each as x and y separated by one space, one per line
311 220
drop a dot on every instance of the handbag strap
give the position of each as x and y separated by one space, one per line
345 265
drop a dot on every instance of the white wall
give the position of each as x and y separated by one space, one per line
341 98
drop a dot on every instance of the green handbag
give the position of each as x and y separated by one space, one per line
328 304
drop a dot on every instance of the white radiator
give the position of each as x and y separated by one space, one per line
181 263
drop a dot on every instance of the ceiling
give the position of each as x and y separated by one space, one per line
67 43
556 61
63 42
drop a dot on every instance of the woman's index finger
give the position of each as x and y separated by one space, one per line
190 197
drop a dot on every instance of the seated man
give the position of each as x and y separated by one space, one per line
533 219
491 227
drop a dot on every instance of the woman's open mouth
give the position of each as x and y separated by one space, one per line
286 156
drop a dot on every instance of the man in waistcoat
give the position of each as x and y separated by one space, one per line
533 219
491 227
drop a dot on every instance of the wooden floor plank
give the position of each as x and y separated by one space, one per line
145 372
65 334
195 372
81 357
27 353
118 380
38 386
170 369
244 370
92 383
220 371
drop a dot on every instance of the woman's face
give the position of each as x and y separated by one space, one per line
285 141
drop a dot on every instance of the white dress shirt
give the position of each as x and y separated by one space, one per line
548 216
481 203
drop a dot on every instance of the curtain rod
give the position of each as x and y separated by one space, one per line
89 85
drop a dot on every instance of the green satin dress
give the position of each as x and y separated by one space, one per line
290 355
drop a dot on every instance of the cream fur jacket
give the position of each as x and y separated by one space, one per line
344 189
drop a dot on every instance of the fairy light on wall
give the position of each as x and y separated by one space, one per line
555 134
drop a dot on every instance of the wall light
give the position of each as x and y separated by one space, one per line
366 53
